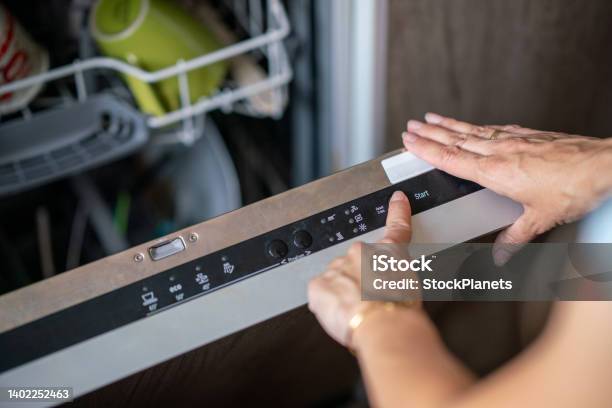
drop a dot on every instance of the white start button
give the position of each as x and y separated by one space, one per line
166 249
404 166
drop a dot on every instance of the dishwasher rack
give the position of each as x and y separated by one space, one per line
252 16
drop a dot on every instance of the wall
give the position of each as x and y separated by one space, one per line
545 64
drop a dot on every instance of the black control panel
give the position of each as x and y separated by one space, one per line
203 275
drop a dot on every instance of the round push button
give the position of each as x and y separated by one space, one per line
302 239
277 249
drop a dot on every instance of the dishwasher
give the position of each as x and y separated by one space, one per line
154 249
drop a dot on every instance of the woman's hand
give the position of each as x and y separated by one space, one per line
403 359
556 177
335 296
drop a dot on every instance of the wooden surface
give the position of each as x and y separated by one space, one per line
545 64
289 361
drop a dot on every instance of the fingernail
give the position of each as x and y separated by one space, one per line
414 124
409 137
398 196
501 256
433 118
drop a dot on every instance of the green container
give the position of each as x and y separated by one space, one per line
156 34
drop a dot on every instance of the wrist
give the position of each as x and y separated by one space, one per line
381 326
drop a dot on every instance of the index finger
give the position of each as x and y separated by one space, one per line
457 125
398 228
449 158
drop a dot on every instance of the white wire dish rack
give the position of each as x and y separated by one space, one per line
267 25
82 126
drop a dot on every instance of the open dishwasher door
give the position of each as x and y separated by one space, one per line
104 321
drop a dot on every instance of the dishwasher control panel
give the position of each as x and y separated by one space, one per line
203 275
292 242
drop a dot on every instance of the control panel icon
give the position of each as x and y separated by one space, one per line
175 288
148 298
421 195
228 267
203 280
